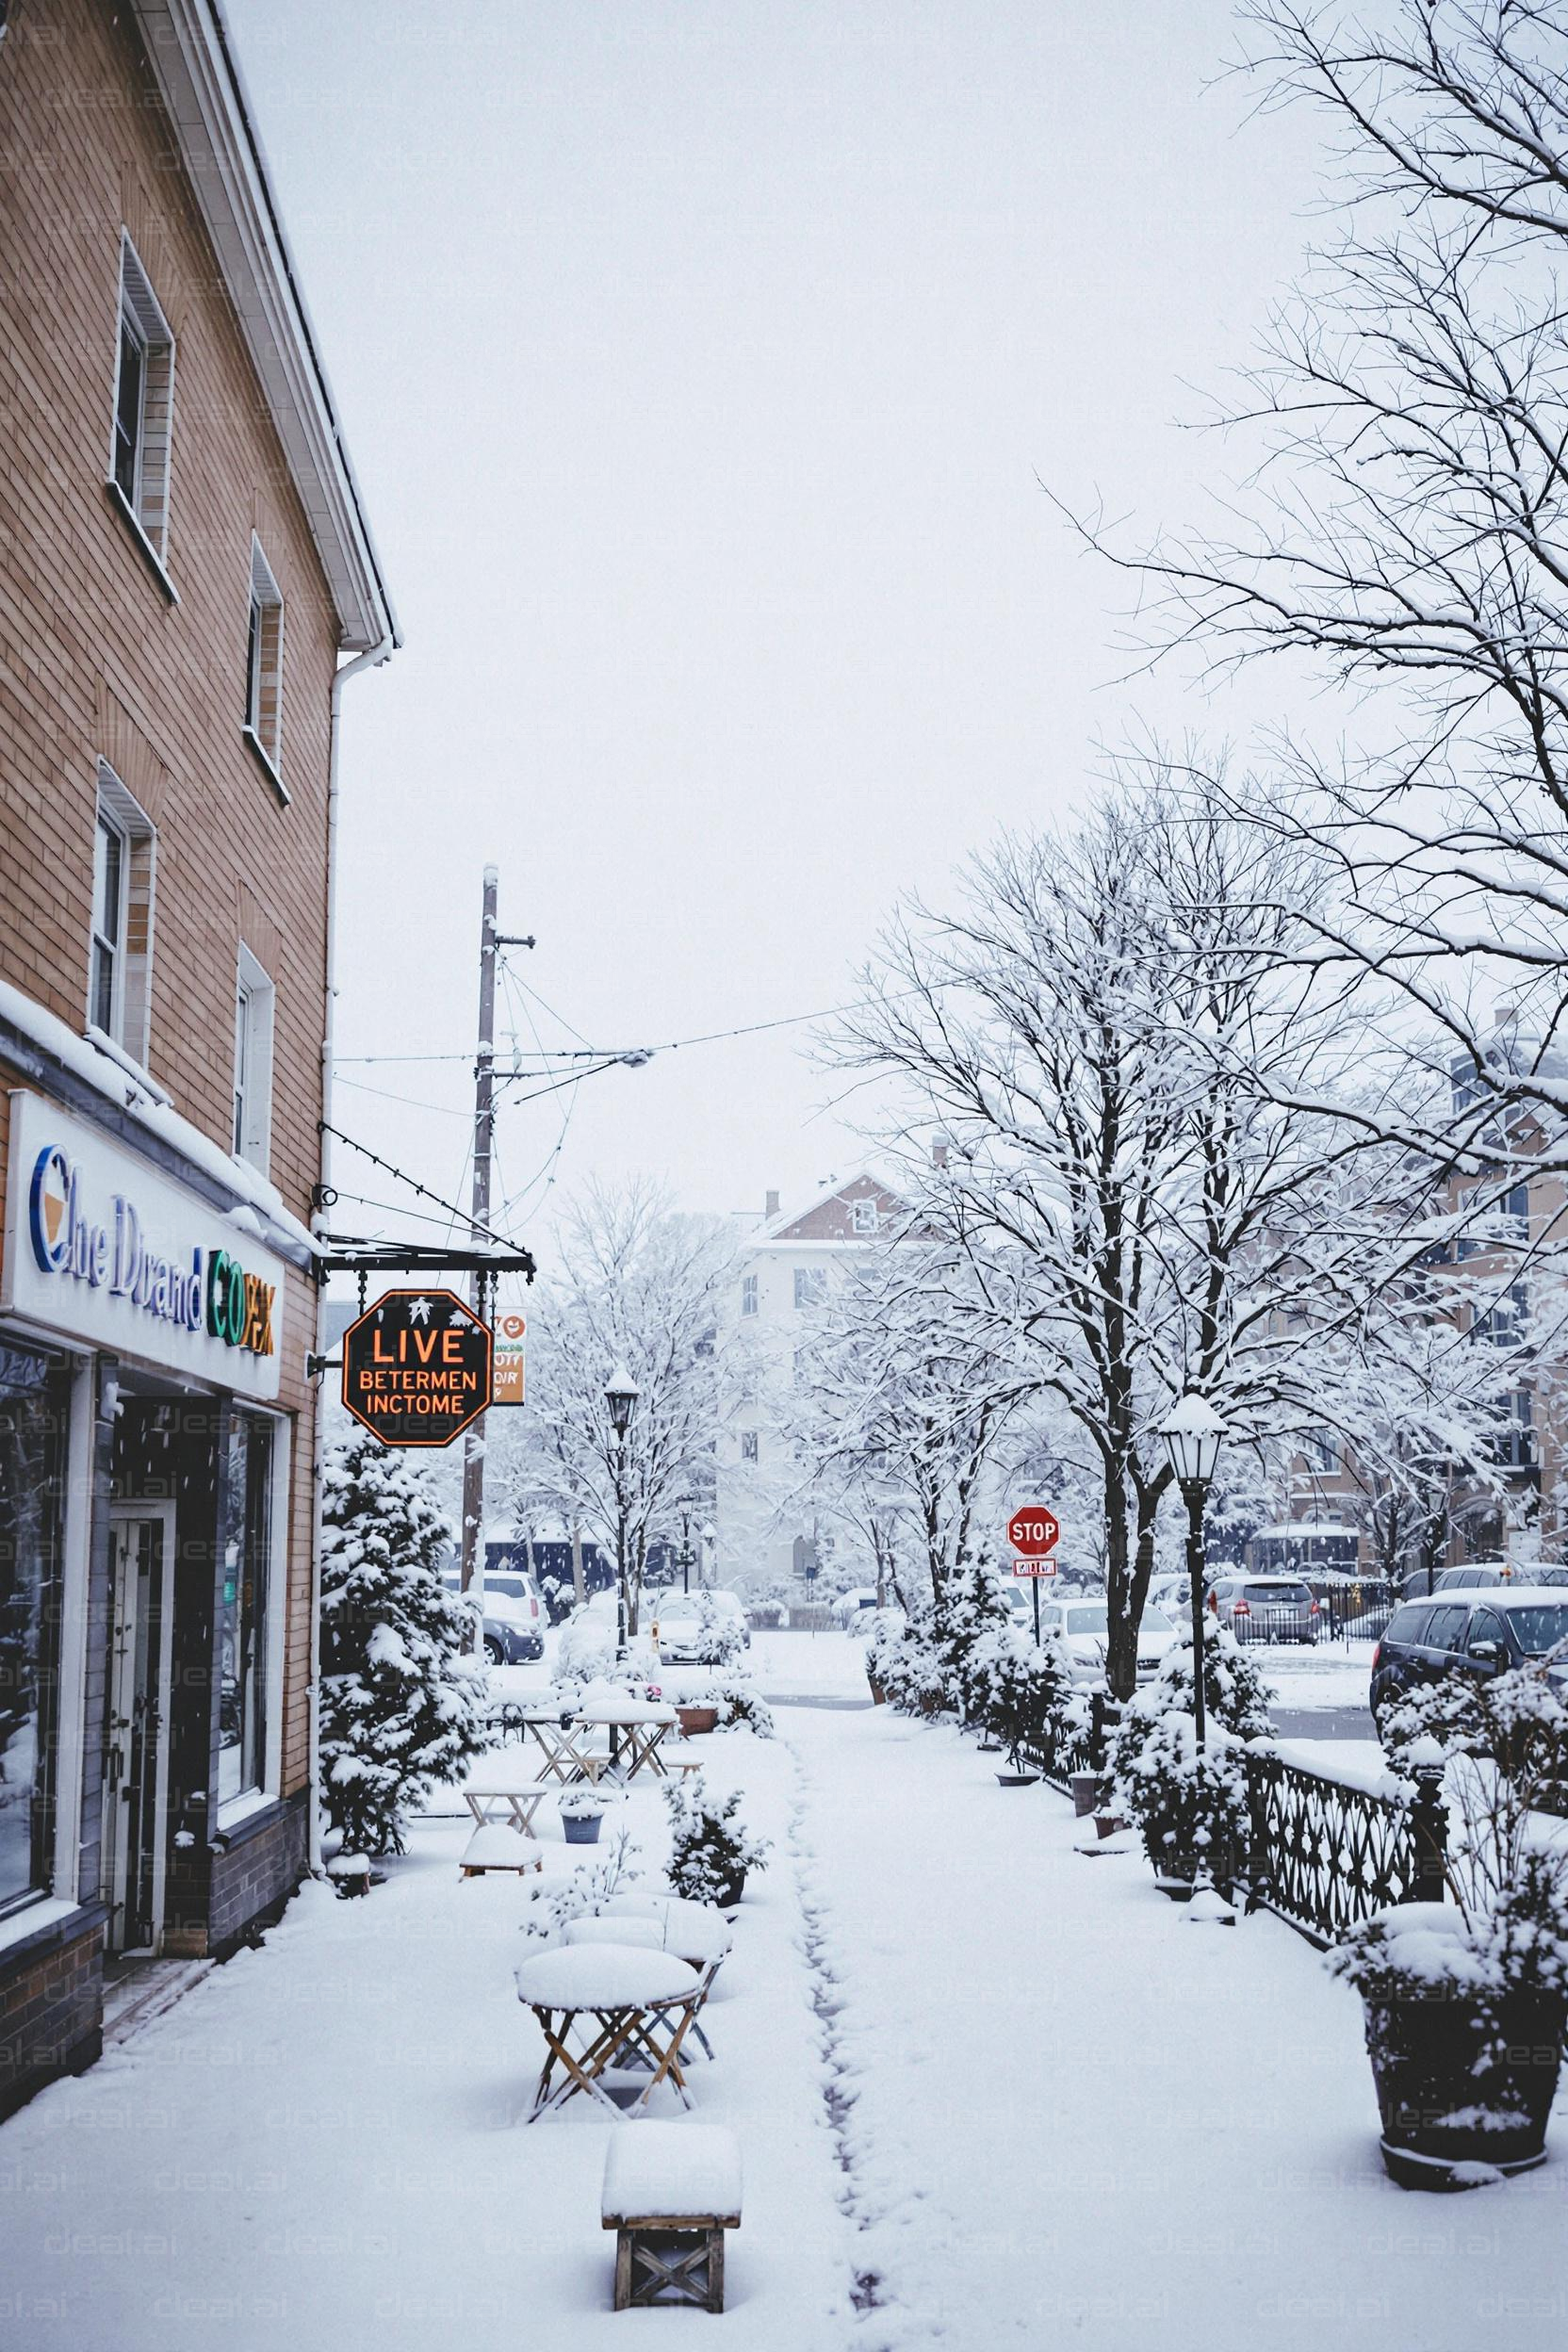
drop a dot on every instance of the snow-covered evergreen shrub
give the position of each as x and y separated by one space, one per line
402 1710
720 1640
972 1608
913 1670
741 1706
1022 1695
1192 1808
709 1848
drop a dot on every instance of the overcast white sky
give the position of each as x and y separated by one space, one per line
698 358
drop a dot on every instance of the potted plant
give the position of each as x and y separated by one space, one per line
710 1852
1466 2002
582 1812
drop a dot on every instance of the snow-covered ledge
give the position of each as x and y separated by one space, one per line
78 1068
34 1918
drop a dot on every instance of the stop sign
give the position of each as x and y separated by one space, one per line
417 1367
1033 1531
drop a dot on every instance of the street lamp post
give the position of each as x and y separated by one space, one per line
620 1394
1192 1441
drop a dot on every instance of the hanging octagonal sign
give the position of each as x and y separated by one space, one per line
417 1367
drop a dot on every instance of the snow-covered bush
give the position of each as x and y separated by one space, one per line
883 1634
741 1706
1190 1804
970 1610
1191 1808
402 1710
721 1639
711 1850
587 1646
583 1894
909 1665
1024 1696
1504 1741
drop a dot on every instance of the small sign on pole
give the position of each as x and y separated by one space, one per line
509 1359
1034 1533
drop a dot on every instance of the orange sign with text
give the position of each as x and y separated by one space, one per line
417 1367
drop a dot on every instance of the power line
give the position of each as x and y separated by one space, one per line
621 1052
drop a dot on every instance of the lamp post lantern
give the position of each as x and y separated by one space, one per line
620 1394
1192 1436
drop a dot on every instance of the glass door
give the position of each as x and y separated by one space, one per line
135 1765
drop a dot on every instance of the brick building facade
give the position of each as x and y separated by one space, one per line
184 566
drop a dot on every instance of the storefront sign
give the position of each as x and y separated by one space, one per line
417 1367
101 1246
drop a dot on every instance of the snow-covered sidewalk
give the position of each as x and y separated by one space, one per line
1073 2117
989 2094
321 2150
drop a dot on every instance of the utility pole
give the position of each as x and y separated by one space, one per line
484 1133
481 1291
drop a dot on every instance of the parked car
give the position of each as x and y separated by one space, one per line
1082 1626
675 1619
514 1615
1485 1634
1361 1605
1471 1580
1265 1608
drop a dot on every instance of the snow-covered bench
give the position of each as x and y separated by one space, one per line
497 1846
671 2190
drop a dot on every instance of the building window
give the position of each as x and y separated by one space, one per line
119 963
143 404
1321 1449
863 1216
247 1549
252 1062
748 1445
810 1285
748 1294
33 1409
264 664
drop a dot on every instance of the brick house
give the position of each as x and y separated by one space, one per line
184 567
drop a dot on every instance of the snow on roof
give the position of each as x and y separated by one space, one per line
604 1976
671 2168
251 1201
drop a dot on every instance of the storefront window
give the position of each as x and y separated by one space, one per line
33 1394
247 1547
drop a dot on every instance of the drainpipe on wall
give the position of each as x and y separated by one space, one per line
372 659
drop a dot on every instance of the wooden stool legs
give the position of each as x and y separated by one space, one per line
662 2264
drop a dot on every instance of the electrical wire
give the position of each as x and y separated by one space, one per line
617 1054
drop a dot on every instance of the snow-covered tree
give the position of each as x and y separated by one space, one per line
898 1406
1404 440
1140 1185
635 1286
402 1710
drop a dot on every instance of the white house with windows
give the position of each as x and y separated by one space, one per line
766 1534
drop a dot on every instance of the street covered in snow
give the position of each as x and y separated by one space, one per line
987 2090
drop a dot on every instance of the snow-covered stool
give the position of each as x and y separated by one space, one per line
671 2190
495 1846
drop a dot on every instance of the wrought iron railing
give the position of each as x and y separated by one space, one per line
1325 1854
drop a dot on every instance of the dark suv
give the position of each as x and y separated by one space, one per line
1482 1634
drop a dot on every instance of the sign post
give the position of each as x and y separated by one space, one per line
1034 1533
417 1367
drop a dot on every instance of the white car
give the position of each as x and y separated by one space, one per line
1083 1628
675 1619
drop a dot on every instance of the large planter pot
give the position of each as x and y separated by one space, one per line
1465 2092
696 1720
1089 1790
878 1696
729 1894
932 1704
1017 1780
582 1829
